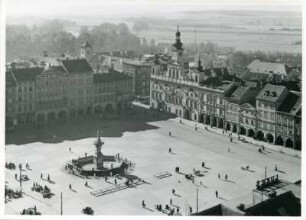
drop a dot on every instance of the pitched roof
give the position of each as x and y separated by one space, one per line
111 76
271 93
76 65
285 204
265 67
27 74
52 69
291 103
244 94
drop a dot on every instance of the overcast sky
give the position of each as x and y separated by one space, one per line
53 8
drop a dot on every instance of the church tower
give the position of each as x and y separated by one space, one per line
86 51
177 47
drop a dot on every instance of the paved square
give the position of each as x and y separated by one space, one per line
149 150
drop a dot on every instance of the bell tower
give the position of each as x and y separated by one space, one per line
177 47
86 51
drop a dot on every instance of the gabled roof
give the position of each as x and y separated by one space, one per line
265 67
27 74
111 76
76 65
271 93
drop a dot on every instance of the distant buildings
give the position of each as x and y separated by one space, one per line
258 70
40 94
212 96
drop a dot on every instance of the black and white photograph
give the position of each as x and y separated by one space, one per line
152 108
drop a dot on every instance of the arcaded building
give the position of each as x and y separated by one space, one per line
270 113
71 89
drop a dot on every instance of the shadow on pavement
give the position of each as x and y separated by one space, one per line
86 127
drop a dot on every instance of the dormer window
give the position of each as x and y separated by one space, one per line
267 93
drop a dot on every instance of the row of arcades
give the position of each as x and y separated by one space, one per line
277 139
63 114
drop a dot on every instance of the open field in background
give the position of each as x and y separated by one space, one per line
243 30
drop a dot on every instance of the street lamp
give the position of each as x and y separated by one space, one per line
20 179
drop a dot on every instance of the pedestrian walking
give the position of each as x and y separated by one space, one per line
170 150
177 210
226 176
169 133
229 149
231 139
86 184
143 204
201 183
219 176
275 167
203 164
115 182
190 209
181 121
15 175
41 175
70 149
69 186
170 201
217 194
173 191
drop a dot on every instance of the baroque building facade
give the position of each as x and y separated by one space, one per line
270 113
44 94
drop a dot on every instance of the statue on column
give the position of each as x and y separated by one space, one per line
99 156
